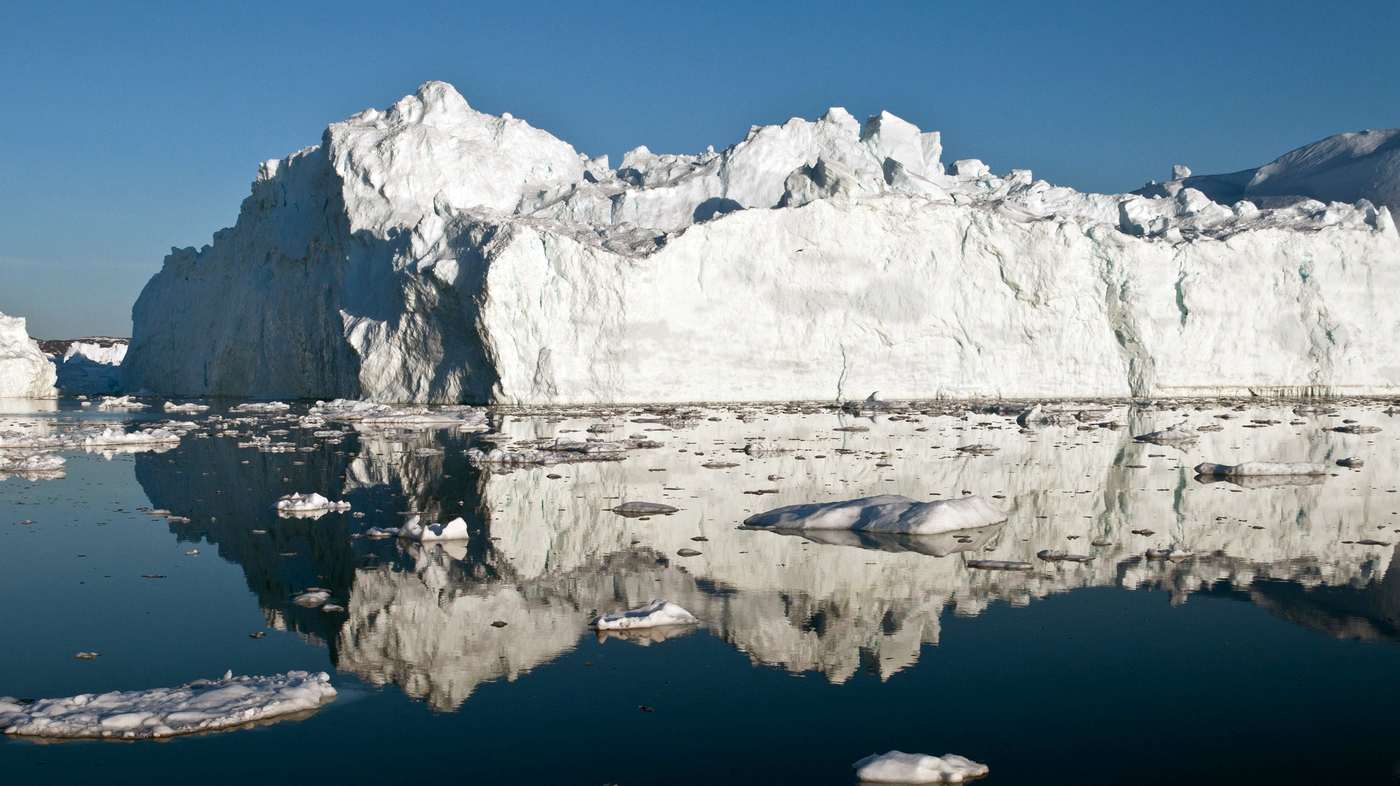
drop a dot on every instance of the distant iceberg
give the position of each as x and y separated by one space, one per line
457 256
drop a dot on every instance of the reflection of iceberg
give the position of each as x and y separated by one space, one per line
652 634
547 555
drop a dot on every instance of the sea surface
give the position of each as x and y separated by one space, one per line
1267 657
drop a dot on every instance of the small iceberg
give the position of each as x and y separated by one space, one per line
415 529
654 614
202 705
1260 469
884 513
999 564
900 767
308 505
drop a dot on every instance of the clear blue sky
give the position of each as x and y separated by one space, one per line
133 127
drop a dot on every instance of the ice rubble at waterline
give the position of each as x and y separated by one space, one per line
559 555
468 257
200 706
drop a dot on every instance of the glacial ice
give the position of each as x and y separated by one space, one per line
464 257
654 614
25 372
900 767
115 437
889 513
202 705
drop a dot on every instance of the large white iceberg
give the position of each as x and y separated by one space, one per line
202 705
24 370
889 513
655 614
457 256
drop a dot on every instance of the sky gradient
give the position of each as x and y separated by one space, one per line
136 127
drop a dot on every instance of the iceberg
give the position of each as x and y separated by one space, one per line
90 366
464 257
888 513
200 706
654 614
24 370
901 767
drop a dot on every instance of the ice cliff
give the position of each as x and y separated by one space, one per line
24 371
431 252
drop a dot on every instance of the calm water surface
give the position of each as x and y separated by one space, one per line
1270 657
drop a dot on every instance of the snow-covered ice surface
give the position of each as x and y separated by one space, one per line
655 614
24 370
901 767
199 706
466 257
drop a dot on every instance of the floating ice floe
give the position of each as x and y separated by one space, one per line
638 509
25 372
1260 469
1356 428
40 462
200 706
760 449
119 402
312 597
656 613
1051 555
22 440
1175 555
884 513
415 529
370 413
559 452
171 406
1181 432
115 437
999 564
900 767
261 406
308 505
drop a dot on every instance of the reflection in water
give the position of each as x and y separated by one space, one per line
546 553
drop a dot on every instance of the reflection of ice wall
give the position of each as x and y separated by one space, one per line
558 554
461 256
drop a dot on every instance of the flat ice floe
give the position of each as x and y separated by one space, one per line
654 614
884 513
372 414
202 705
900 767
1261 469
42 462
